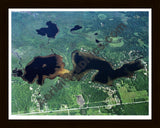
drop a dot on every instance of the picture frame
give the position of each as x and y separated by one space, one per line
94 123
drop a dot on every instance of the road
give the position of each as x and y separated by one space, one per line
83 108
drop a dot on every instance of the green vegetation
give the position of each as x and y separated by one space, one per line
21 97
116 42
136 109
67 95
127 109
92 94
141 83
132 96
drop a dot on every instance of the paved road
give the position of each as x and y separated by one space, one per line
84 108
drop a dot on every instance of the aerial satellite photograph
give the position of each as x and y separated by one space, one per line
79 63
